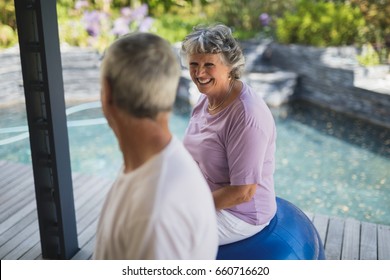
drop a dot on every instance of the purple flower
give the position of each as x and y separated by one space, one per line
92 21
121 26
140 12
81 4
264 19
146 24
126 12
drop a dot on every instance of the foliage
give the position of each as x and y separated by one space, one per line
164 25
376 14
368 56
8 36
246 16
7 13
240 15
96 23
321 23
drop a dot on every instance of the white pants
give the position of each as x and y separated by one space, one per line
232 229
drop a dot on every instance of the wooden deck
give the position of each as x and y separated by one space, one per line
19 234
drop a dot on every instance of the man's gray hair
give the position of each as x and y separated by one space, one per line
143 73
217 39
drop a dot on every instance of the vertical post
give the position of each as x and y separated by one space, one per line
45 104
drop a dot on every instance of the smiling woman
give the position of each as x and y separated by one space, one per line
231 134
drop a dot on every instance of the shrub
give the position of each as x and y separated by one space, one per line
368 56
173 28
320 24
8 36
376 14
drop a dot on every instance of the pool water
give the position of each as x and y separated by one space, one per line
326 162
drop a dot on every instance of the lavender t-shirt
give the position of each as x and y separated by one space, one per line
237 147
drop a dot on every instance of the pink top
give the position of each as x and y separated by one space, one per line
237 147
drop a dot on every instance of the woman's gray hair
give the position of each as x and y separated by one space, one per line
143 73
217 39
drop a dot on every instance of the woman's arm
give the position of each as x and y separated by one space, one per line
230 196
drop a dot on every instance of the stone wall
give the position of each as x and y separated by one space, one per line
332 78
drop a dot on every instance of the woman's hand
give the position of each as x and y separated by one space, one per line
229 196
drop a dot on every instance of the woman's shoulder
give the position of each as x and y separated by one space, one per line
252 106
251 101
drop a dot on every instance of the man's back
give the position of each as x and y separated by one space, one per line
162 210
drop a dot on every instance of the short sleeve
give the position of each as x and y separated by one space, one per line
246 150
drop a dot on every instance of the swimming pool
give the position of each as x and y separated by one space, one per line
326 162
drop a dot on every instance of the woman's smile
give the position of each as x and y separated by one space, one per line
203 81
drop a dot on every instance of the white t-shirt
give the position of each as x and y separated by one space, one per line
162 210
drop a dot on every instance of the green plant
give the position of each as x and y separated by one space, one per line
8 36
7 13
241 15
368 56
320 23
174 27
376 14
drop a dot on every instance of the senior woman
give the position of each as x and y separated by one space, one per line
231 134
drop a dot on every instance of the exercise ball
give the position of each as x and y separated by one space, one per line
289 236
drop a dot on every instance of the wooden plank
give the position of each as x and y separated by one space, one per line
86 239
321 223
5 170
16 217
87 211
18 191
95 202
19 240
86 252
351 240
19 226
81 185
94 187
383 242
17 173
87 235
24 246
18 202
368 242
334 239
33 253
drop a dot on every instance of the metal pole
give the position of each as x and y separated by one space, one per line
44 92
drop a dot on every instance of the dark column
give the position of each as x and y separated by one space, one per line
44 91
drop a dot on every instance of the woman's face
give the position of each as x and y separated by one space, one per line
209 73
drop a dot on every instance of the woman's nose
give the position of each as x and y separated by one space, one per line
199 70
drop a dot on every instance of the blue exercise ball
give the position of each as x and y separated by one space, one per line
289 236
